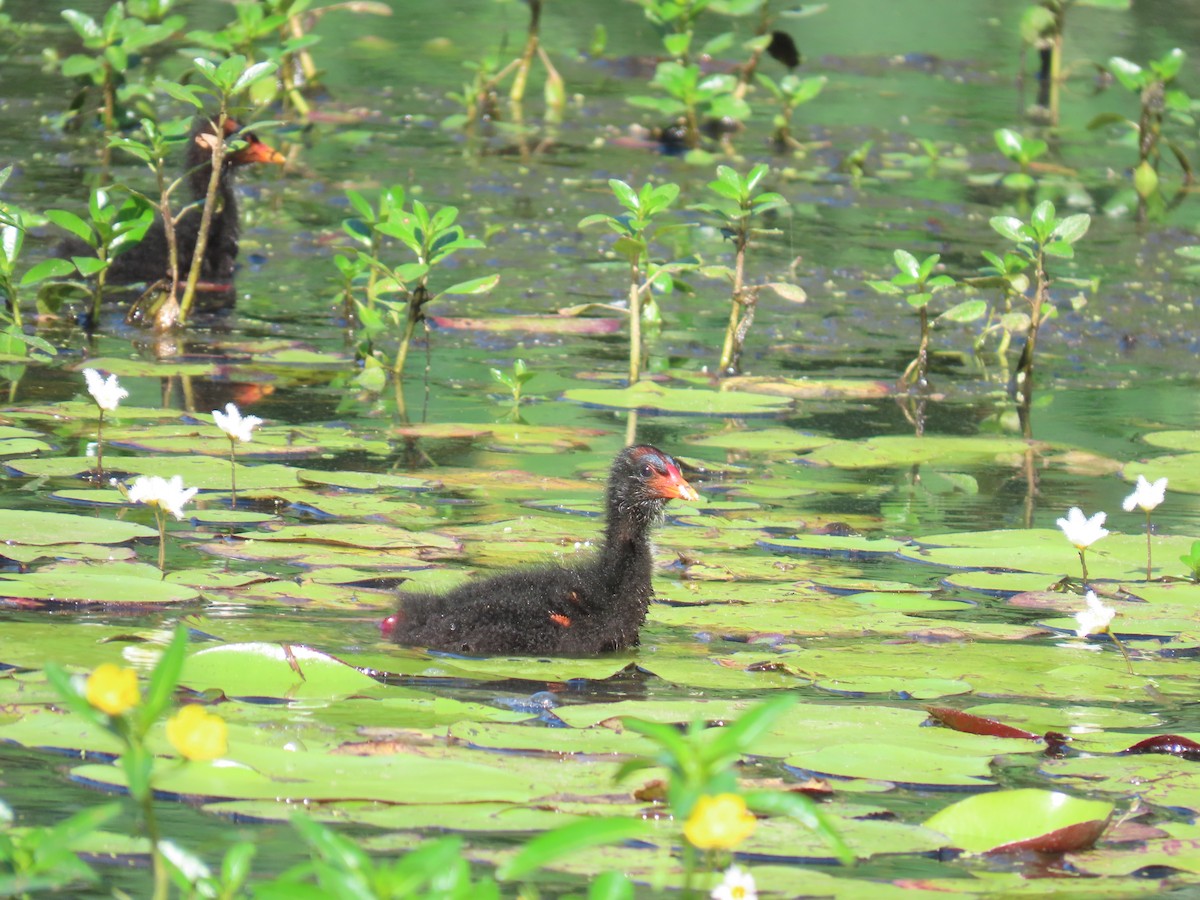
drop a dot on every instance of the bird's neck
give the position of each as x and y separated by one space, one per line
200 169
627 551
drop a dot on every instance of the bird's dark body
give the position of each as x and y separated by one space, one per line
595 606
148 260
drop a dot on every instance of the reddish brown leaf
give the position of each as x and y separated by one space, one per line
1173 744
971 724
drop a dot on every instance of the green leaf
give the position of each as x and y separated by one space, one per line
907 264
1008 227
741 736
252 74
569 840
1169 65
72 223
1042 217
1061 249
85 26
89 265
1128 73
885 287
1072 228
806 812
474 286
625 194
967 311
48 268
164 678
1010 142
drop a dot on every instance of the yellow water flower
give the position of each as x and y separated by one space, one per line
198 734
112 689
719 823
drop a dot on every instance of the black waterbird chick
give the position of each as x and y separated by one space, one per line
148 260
594 606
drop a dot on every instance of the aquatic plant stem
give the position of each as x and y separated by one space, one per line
206 217
100 446
160 517
162 884
1083 565
635 323
689 869
233 472
1148 547
1125 653
731 349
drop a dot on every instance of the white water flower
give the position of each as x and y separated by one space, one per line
1094 618
738 884
107 392
234 424
166 495
1146 495
1081 531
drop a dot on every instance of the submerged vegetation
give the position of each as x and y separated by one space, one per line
893 536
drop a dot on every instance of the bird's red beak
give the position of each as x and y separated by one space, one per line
256 151
673 486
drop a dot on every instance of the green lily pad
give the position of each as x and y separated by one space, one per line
833 545
808 388
765 440
144 368
110 585
82 552
649 397
42 529
1027 818
1182 472
204 472
22 446
272 670
363 535
1170 440
366 481
891 451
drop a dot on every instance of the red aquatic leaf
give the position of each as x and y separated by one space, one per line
972 724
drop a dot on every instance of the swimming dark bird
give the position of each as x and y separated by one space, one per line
594 606
147 261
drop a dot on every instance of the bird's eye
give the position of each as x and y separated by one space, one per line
647 470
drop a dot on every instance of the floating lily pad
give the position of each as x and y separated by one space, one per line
648 397
94 585
891 451
1170 440
766 440
132 367
363 535
366 481
42 529
1183 471
206 473
272 670
808 388
1026 819
1118 556
540 324
832 545
23 446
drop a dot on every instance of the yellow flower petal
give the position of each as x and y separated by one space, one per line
112 689
719 823
198 734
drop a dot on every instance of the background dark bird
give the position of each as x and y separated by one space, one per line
595 606
147 260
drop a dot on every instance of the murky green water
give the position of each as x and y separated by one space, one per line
856 630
